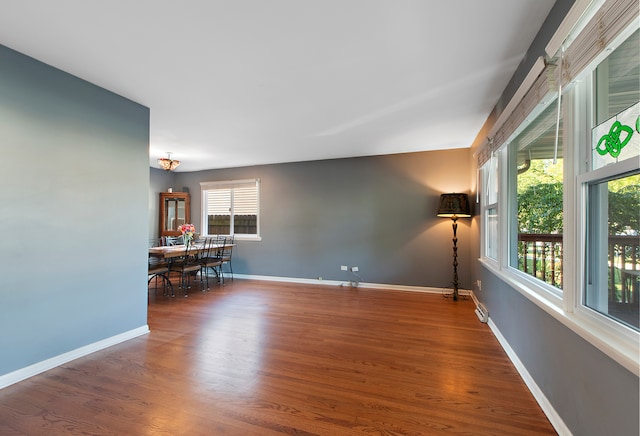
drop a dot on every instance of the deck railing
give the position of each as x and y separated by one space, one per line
624 268
540 255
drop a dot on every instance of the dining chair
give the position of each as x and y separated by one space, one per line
205 258
173 240
213 260
187 266
227 253
159 269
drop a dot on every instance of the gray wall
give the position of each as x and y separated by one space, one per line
377 213
593 394
74 184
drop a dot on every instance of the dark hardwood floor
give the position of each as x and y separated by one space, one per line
271 358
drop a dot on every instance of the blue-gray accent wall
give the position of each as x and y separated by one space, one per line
377 213
74 184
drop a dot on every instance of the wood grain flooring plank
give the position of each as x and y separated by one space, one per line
270 358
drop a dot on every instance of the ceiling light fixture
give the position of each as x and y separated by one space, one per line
167 164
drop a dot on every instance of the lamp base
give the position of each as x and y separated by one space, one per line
449 293
455 295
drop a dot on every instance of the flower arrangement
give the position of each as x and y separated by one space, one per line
187 231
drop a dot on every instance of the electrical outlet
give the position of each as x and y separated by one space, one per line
479 284
344 268
354 269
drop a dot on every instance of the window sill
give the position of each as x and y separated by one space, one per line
617 341
247 238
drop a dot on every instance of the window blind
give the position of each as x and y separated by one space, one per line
608 22
230 184
611 19
543 89
231 207
219 201
245 200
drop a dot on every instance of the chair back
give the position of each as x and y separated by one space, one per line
156 265
173 240
207 243
155 242
191 257
219 250
227 249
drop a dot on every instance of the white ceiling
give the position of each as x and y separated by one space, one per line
243 82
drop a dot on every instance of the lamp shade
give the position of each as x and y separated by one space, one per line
454 205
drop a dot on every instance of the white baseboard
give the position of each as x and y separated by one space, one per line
61 359
537 393
347 284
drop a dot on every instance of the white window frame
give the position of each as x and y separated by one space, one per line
533 284
489 171
615 339
534 289
230 184
614 335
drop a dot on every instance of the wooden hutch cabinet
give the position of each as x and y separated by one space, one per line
174 211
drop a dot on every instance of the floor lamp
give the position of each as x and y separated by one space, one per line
454 206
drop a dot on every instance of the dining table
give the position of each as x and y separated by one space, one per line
171 251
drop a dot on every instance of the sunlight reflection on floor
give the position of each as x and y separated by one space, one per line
231 348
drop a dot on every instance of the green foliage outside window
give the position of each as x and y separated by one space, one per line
540 198
624 206
540 201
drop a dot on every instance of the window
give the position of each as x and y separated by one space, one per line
489 174
613 249
612 188
536 195
567 219
231 208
